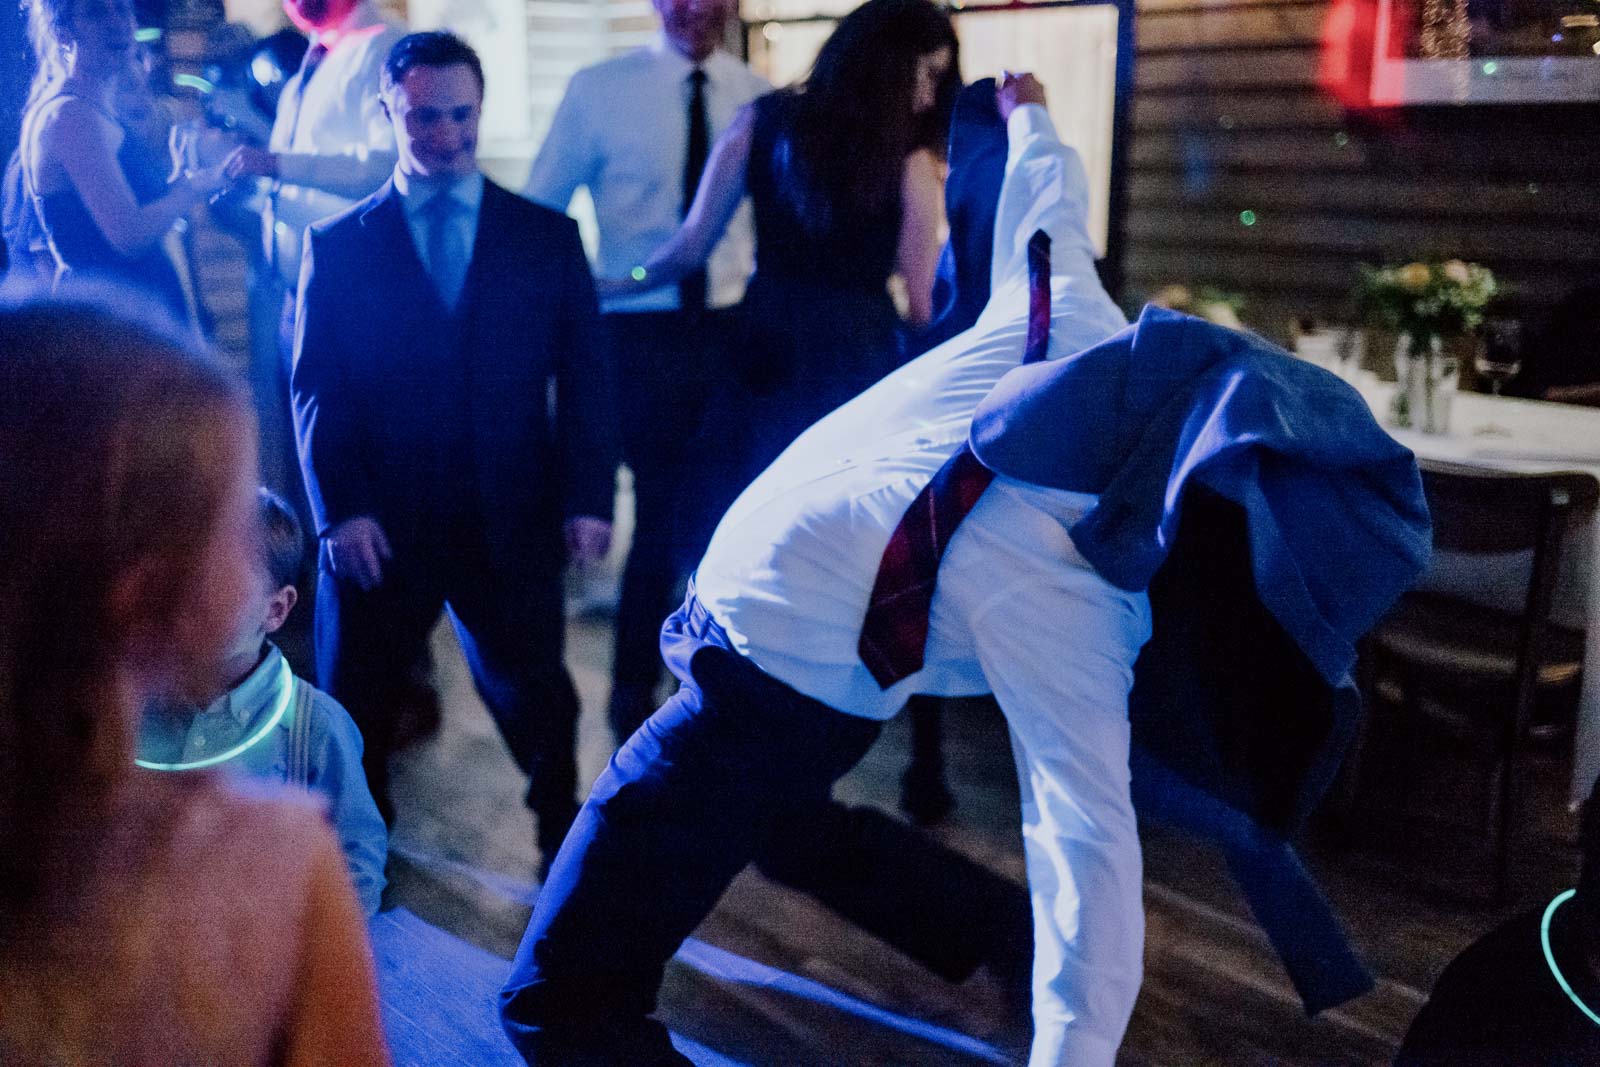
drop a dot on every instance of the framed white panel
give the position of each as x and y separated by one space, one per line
1073 50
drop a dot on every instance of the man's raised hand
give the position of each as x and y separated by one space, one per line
357 549
1014 90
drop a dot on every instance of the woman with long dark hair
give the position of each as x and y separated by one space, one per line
845 177
106 205
145 917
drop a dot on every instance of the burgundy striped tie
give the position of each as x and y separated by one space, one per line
1038 297
894 634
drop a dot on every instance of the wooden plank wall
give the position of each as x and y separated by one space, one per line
1227 117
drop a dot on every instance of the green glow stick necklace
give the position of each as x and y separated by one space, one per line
1550 959
285 698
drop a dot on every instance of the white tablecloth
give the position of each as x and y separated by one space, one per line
1524 435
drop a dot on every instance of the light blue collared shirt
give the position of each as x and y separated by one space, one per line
417 193
179 735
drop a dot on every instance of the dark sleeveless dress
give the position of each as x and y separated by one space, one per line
82 250
818 324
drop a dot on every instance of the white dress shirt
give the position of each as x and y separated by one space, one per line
1017 611
335 145
622 130
415 196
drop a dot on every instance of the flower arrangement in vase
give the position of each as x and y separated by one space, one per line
1206 302
1425 304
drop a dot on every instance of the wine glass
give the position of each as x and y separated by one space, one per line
1499 354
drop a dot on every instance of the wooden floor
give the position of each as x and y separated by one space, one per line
802 987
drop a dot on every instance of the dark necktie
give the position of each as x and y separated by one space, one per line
894 633
308 66
692 288
1038 297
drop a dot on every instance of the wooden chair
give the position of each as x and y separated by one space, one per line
1476 671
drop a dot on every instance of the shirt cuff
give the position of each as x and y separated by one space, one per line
1028 120
299 168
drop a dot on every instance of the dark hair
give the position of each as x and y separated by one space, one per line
854 125
283 547
435 48
117 449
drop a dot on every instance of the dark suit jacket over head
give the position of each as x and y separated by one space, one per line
1272 521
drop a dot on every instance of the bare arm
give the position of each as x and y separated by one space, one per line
721 189
1588 394
82 142
921 212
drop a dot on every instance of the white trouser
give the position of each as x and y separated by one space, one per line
1057 649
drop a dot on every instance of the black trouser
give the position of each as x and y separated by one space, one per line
271 307
510 623
666 365
735 767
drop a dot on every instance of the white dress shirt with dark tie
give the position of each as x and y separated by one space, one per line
622 131
1017 611
333 141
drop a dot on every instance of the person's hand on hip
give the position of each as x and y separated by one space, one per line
588 538
357 549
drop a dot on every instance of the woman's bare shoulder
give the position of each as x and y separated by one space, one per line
66 114
922 164
68 126
240 827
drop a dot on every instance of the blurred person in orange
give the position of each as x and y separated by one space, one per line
145 917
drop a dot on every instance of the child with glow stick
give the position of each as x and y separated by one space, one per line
269 724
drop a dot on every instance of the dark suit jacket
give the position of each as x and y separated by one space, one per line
400 405
1272 521
977 157
1329 527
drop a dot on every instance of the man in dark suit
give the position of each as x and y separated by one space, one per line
433 319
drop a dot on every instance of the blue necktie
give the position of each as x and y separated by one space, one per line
446 254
